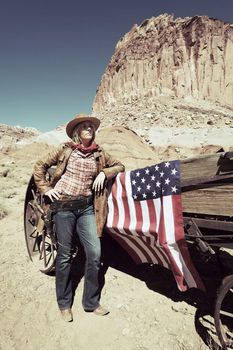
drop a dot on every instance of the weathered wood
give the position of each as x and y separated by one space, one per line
212 201
198 194
206 166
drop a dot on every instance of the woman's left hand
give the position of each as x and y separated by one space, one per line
98 184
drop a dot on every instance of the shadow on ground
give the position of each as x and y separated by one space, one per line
161 280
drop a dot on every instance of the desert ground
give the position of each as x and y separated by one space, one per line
147 311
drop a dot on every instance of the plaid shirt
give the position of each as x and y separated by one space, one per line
79 175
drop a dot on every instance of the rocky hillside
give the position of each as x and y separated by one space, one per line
170 72
11 136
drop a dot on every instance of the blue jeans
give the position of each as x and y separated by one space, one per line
79 222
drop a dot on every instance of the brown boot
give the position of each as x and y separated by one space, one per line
101 311
66 315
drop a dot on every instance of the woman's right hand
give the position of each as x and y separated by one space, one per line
53 194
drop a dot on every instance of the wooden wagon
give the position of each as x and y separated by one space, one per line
207 199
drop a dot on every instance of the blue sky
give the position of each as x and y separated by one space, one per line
54 52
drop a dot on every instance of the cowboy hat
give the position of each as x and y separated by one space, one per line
79 119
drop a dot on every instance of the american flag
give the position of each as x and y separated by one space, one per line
145 217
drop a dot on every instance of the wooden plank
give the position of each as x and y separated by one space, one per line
217 225
205 166
214 198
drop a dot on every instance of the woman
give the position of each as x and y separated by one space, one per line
78 193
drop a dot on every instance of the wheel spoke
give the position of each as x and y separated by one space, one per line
36 242
226 313
47 250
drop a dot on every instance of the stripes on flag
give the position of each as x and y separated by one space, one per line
145 218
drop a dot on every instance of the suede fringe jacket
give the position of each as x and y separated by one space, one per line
59 158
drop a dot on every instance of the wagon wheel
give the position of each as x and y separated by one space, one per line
223 314
41 244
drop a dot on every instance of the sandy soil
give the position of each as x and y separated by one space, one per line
146 309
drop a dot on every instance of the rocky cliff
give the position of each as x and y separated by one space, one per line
163 62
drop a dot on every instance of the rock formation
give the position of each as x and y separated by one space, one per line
165 66
128 147
10 136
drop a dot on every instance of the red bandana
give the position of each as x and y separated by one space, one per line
93 147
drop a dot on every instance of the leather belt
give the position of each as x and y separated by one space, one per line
66 203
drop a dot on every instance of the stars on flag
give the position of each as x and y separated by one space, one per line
155 181
174 189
